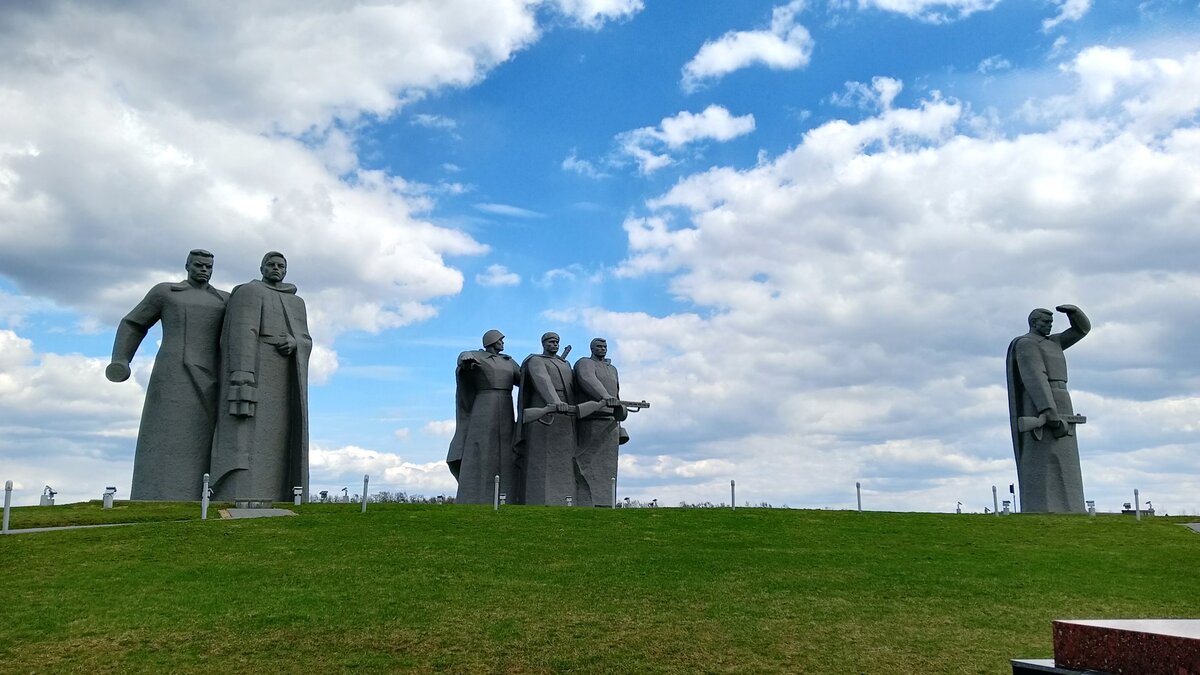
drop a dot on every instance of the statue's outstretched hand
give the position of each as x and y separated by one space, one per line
117 371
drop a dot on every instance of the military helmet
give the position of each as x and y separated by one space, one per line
492 337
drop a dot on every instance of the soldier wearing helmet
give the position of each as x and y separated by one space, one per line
482 447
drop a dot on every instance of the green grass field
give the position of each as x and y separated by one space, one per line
533 589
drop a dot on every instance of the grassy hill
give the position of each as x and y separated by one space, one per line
533 589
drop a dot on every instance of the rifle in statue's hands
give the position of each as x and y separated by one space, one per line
582 410
1037 424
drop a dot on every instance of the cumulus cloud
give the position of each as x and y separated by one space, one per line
651 147
850 299
498 275
932 11
334 468
1068 10
593 13
439 428
784 45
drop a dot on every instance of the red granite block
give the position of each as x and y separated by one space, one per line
1129 646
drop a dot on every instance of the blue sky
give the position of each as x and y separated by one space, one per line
807 229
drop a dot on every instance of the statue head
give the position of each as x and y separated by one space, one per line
493 341
550 343
273 268
599 347
199 266
1040 321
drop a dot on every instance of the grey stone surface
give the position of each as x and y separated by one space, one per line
599 433
261 445
484 426
1194 527
255 513
180 412
546 429
1041 414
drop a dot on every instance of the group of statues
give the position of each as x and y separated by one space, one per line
228 395
560 446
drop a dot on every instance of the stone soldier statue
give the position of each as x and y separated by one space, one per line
175 435
1041 416
484 426
261 447
598 433
546 427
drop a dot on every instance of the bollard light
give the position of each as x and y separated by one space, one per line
496 494
614 492
858 490
995 502
297 492
1091 507
569 500
7 504
1137 505
366 481
732 495
108 496
205 493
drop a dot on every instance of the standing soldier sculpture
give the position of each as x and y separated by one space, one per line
600 433
482 447
176 432
1040 414
546 435
261 447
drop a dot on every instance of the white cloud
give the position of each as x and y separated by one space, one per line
849 300
581 166
508 210
1068 10
673 133
993 63
785 45
932 11
434 122
401 434
879 95
334 468
593 13
498 275
439 428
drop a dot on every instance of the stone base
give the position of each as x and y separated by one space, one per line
1144 646
253 503
1041 667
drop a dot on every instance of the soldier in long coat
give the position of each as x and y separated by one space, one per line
599 433
261 448
176 431
484 425
547 445
1048 455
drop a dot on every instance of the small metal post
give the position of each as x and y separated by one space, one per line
614 492
732 495
858 489
570 500
366 480
297 494
958 509
1137 505
108 496
204 498
7 503
496 494
995 502
1091 507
